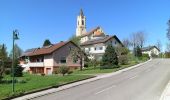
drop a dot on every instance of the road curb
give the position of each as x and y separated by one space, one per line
64 87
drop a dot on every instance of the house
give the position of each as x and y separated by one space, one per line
95 41
48 59
96 47
151 50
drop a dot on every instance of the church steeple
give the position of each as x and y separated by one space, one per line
81 12
81 24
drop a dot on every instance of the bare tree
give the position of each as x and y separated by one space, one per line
126 42
141 38
134 40
159 45
138 39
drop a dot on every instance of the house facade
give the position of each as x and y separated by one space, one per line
95 41
151 50
48 59
96 47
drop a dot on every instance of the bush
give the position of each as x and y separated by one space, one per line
70 72
123 59
63 70
1 77
18 71
167 54
145 56
109 67
7 72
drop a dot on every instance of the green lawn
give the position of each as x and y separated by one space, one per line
34 82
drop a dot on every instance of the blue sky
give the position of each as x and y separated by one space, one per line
38 20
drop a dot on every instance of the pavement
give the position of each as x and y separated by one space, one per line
134 83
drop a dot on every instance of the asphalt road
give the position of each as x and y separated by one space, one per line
145 82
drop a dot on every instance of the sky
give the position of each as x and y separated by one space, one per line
37 20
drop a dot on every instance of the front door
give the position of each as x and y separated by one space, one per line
49 71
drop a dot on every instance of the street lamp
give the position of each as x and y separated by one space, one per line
15 37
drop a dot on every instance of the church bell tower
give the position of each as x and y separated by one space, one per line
81 24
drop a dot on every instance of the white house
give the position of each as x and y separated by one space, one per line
151 50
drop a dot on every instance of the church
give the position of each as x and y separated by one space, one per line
94 42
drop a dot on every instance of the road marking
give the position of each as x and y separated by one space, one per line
133 77
106 89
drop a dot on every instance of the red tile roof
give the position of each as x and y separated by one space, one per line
91 32
47 49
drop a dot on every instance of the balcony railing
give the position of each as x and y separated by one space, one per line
36 64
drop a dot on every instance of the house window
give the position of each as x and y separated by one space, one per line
115 42
70 48
101 48
95 48
63 60
89 49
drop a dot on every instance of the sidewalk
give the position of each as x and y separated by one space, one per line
53 90
166 93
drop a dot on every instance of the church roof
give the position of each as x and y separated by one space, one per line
92 31
100 40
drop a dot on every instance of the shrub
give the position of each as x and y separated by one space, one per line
1 77
123 60
70 72
18 71
109 67
63 70
145 56
7 72
167 54
110 57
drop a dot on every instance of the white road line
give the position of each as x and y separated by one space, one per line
106 89
133 77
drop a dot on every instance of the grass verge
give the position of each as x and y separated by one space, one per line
29 83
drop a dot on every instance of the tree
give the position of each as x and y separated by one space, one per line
75 39
63 69
138 39
17 51
168 30
47 42
159 45
3 59
138 52
78 54
141 38
110 57
126 42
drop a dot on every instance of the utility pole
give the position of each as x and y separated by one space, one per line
15 37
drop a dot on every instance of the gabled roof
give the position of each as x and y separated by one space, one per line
28 51
48 50
100 40
149 48
91 32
